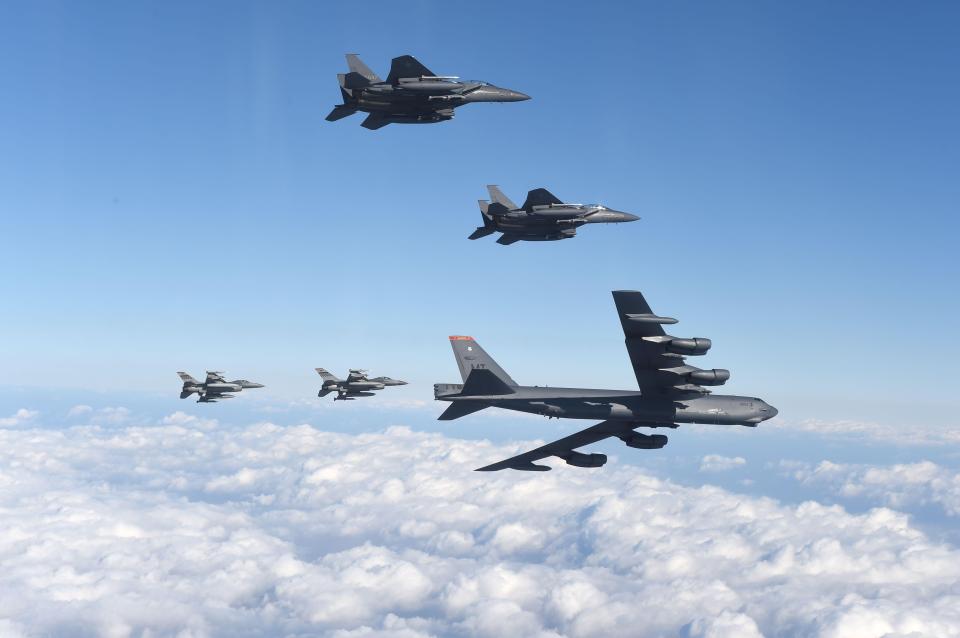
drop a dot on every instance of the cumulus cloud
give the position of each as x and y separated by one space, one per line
18 418
187 529
900 485
79 410
718 463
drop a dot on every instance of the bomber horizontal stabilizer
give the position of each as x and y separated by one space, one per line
458 409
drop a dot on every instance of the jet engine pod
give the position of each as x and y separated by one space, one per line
717 376
645 441
579 459
695 346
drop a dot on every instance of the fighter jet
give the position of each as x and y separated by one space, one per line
671 392
542 217
411 94
357 384
214 387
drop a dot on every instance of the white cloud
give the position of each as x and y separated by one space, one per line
18 418
79 410
718 463
263 530
900 485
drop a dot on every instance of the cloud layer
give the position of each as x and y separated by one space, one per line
192 528
900 485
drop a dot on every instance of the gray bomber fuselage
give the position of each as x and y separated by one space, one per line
619 405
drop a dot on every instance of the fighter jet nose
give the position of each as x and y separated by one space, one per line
627 217
255 385
515 96
769 412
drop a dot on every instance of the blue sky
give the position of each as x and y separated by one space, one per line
172 198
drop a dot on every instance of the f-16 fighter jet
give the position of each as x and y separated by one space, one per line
671 392
542 217
357 384
214 387
411 94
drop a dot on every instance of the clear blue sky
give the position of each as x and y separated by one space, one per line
171 197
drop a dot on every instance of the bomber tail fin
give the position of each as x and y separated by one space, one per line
483 382
470 356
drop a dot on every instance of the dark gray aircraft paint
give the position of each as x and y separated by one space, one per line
542 217
671 392
214 387
357 384
411 94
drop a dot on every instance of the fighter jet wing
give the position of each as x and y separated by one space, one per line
563 448
407 66
659 373
374 121
506 240
214 377
539 197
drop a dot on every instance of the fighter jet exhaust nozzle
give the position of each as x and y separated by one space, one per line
717 376
579 459
694 346
645 441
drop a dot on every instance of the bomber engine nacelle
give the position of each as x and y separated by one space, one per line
579 459
717 376
645 441
695 346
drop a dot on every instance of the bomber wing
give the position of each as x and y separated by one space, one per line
407 66
565 449
657 361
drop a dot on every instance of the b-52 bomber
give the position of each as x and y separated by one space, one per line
671 392
411 94
357 384
542 217
214 387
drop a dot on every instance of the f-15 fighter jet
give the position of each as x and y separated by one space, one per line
671 392
542 217
357 384
214 387
411 94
